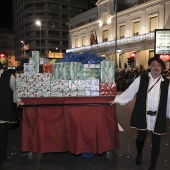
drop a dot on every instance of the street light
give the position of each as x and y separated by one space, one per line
119 50
23 47
38 22
23 42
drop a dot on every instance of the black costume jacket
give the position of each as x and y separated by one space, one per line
7 106
138 118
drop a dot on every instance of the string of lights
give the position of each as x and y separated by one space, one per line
149 36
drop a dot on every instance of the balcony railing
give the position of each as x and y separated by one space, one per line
126 40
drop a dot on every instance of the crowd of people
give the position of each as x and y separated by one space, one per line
124 77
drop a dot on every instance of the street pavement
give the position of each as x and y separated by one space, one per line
123 158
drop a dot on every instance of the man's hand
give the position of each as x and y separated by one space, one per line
111 102
20 103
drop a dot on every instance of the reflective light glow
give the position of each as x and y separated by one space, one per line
2 55
38 23
119 50
109 20
132 54
149 36
165 57
23 42
100 23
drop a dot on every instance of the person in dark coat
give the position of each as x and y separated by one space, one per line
19 110
8 99
151 108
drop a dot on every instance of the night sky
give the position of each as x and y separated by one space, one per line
6 20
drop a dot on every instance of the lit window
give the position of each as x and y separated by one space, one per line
122 31
105 35
83 41
136 28
76 42
153 23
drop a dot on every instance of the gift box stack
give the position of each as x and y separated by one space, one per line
83 74
70 78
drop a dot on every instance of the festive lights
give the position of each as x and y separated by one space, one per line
149 36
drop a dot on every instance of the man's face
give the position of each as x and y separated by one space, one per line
156 68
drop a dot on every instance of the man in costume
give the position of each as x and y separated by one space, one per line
151 108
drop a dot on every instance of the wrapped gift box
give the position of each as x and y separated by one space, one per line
67 88
57 71
91 73
74 88
61 71
28 68
92 87
91 65
59 88
44 60
76 70
36 61
67 71
108 89
77 87
33 85
107 71
46 68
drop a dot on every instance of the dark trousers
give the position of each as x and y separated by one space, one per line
4 127
156 140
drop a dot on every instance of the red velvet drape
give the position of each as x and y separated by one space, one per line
76 129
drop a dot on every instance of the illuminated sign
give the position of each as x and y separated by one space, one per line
162 41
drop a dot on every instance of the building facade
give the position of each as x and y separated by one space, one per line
7 47
127 26
50 35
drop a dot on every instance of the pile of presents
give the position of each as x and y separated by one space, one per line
83 74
